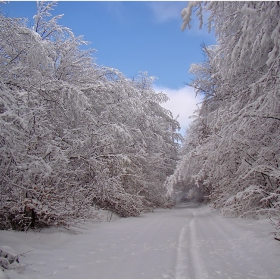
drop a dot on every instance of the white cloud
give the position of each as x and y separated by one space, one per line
165 11
182 102
115 8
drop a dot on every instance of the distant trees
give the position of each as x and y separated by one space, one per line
74 135
231 153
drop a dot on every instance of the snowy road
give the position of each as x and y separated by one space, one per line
189 241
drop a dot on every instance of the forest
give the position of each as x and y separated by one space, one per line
231 153
77 137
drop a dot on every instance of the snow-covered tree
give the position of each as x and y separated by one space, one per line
75 136
232 148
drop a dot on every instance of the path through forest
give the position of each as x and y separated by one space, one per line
188 241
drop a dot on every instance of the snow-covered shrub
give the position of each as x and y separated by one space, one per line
8 258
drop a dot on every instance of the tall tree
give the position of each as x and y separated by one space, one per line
75 136
235 135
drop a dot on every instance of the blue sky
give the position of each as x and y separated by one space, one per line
135 36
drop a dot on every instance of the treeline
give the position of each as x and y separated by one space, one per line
231 152
75 136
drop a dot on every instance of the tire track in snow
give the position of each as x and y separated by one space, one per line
197 269
189 263
182 262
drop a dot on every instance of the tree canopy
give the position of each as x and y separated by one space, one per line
75 136
231 153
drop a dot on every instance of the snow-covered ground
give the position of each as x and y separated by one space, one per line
188 241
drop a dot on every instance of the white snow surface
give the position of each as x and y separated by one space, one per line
187 241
